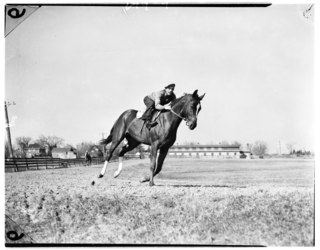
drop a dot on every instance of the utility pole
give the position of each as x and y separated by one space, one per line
8 126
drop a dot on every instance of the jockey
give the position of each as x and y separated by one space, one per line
159 100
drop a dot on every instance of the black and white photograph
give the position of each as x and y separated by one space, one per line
159 124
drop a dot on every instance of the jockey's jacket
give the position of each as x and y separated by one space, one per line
161 98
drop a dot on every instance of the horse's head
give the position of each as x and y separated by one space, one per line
191 109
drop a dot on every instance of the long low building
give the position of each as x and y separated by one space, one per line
209 151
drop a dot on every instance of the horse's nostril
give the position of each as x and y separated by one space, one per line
193 125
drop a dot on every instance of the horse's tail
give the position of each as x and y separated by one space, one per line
108 139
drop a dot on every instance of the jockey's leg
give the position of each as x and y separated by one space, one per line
147 115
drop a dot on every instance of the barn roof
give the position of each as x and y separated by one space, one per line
62 150
35 145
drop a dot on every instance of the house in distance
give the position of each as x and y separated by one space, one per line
34 150
64 153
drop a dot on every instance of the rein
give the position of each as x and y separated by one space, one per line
178 115
183 118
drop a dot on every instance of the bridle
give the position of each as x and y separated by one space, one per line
181 117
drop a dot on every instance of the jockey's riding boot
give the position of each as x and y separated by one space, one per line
147 115
151 124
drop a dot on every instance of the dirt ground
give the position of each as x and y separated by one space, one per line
202 202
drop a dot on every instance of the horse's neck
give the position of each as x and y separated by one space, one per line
178 107
175 120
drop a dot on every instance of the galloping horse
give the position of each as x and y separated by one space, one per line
160 137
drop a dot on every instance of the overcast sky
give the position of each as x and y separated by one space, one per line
73 70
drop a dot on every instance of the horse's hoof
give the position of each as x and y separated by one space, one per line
151 184
92 183
100 176
116 174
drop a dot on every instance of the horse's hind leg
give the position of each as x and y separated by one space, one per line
113 146
115 143
126 148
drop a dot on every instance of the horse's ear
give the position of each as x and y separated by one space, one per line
195 93
201 97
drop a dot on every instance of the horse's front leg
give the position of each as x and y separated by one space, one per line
158 166
162 155
153 163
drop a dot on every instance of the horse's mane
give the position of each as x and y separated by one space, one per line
175 101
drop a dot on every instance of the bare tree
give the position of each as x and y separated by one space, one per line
290 147
49 142
259 148
249 147
23 142
17 152
83 147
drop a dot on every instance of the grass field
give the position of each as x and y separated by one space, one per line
206 202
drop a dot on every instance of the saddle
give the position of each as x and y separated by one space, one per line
153 121
149 117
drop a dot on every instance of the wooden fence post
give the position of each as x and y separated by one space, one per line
26 159
16 165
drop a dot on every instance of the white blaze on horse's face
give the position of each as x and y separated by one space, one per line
191 120
198 108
